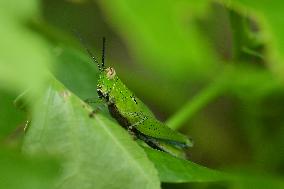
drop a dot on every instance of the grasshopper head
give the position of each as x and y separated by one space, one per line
107 76
106 83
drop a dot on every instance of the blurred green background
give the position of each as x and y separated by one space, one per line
224 56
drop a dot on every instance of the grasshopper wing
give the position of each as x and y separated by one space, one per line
152 127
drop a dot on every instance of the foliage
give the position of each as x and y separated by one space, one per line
178 56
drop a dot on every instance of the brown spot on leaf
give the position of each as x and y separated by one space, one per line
65 94
93 113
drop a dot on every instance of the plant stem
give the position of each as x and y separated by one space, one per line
194 105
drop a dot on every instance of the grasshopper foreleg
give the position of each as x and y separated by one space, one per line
93 101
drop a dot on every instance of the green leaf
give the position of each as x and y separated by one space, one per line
25 173
77 72
20 9
164 34
23 55
97 152
269 17
10 117
172 169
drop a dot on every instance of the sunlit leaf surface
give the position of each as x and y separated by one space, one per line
98 153
172 169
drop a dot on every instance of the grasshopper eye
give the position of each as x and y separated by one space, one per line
110 73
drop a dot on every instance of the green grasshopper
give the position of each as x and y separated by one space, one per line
132 114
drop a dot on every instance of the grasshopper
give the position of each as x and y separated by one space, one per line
132 114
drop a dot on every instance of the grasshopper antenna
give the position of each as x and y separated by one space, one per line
87 49
103 52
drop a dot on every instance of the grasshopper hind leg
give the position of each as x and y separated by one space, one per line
150 142
161 145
